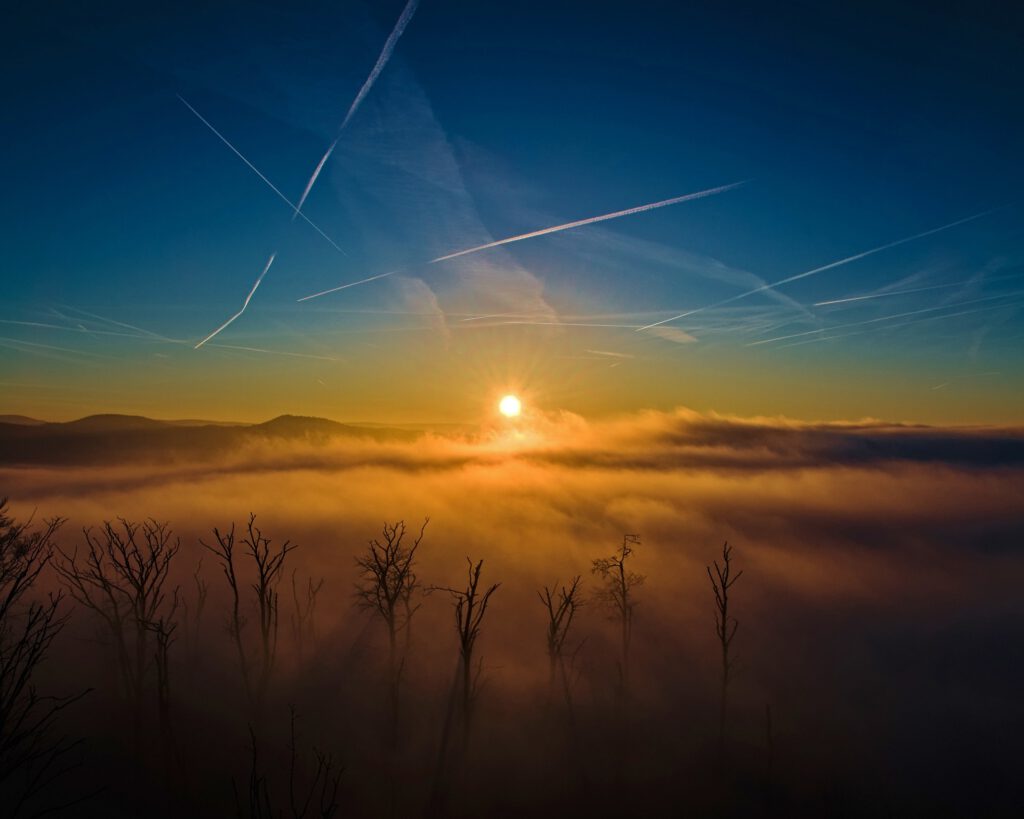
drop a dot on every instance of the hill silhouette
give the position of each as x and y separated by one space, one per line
99 439
23 420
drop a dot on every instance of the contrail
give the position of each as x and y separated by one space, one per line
912 290
312 179
828 266
544 231
275 352
898 326
31 346
382 60
79 329
346 286
609 353
592 220
120 324
967 375
245 304
502 315
256 171
888 293
889 318
543 324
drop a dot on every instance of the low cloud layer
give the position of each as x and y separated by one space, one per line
879 561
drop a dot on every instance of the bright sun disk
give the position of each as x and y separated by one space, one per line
510 406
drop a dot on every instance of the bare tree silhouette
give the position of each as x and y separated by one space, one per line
163 630
192 619
318 799
561 604
470 606
121 578
722 581
304 618
387 582
616 594
268 564
32 758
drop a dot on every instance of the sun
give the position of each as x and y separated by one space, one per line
510 406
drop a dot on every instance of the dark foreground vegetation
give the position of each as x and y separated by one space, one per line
141 675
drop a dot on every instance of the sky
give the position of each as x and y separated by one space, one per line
877 147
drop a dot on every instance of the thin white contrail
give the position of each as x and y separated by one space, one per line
80 329
258 173
245 304
825 267
888 293
346 286
312 179
590 221
898 326
541 324
378 67
504 315
30 346
275 352
886 318
912 290
142 330
961 377
555 229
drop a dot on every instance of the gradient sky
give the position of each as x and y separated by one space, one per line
132 231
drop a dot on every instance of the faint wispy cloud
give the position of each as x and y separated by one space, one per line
673 334
609 353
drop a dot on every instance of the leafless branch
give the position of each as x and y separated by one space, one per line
616 594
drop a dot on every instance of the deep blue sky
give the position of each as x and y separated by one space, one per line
857 125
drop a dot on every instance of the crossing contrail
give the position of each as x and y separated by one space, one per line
590 221
890 318
555 229
245 304
106 320
258 173
888 293
378 67
897 326
825 267
964 283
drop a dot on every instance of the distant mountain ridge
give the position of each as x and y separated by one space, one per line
110 438
21 420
